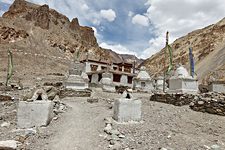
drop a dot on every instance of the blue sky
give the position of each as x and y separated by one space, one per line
137 26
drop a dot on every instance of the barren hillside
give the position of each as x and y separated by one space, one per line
208 49
42 41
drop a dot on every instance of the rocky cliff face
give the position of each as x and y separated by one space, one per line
208 48
43 41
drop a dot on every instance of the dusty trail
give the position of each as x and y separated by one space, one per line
81 126
172 127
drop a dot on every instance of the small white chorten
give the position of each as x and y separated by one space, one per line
143 81
182 82
75 80
107 83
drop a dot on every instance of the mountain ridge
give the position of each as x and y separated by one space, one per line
204 42
44 41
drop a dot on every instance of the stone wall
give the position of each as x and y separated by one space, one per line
213 103
74 93
174 99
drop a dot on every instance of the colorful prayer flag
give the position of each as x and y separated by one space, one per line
192 65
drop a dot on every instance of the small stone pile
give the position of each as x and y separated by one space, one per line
74 93
114 136
213 103
5 98
174 99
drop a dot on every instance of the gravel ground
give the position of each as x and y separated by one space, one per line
163 126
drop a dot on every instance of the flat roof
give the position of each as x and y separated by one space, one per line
112 71
104 62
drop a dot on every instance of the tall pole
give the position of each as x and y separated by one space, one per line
166 48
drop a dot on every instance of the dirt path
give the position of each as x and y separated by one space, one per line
80 127
168 126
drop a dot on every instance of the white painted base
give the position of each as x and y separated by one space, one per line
76 82
126 110
37 113
183 85
220 88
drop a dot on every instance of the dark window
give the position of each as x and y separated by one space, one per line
103 68
114 68
120 68
142 84
129 79
90 77
116 77
99 77
94 67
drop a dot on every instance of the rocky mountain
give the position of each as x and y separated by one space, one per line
44 41
208 49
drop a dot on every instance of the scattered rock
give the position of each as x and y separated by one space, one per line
215 147
92 100
5 98
122 136
52 92
8 145
200 102
162 148
108 120
116 146
108 128
5 124
115 132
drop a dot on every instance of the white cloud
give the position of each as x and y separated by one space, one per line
180 17
97 35
7 1
85 7
130 14
140 20
1 12
155 44
109 14
117 48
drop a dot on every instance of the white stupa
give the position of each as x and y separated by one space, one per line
76 80
182 82
107 83
143 81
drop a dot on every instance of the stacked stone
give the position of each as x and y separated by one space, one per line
72 93
213 103
174 99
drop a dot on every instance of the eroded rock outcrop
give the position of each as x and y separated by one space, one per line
40 16
8 34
